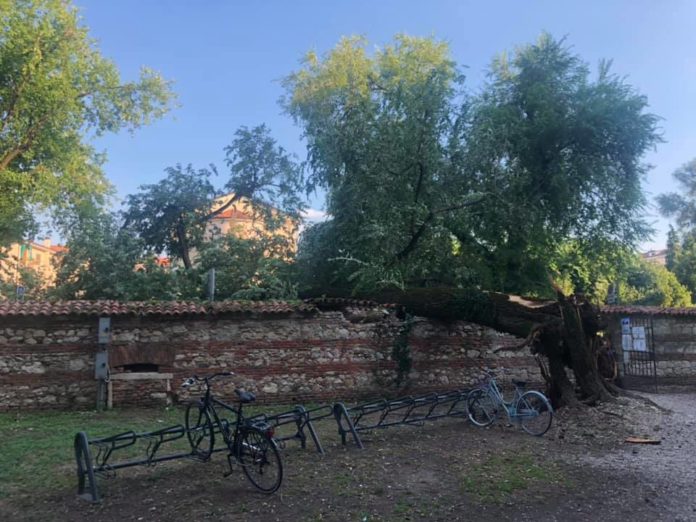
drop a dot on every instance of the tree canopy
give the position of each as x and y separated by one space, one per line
172 214
56 90
384 138
559 155
428 185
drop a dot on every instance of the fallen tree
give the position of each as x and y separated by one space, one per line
562 333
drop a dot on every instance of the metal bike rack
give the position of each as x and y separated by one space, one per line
302 418
94 456
397 412
98 457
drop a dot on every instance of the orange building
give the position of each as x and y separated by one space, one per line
658 257
37 256
241 220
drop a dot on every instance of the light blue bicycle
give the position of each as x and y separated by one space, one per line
531 409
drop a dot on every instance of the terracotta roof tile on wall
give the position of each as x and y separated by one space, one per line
646 310
143 308
333 303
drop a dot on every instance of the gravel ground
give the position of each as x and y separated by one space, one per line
666 473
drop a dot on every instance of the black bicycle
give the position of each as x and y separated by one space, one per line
250 441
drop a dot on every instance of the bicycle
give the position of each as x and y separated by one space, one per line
250 442
530 408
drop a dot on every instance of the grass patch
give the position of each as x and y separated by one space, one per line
500 476
38 453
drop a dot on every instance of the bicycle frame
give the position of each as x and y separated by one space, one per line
491 386
229 437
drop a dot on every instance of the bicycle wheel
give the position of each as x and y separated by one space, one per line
482 408
199 430
260 460
534 412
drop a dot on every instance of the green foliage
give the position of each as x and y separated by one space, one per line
401 350
56 90
681 243
32 281
681 257
558 154
106 261
265 174
682 206
427 187
589 267
172 215
645 283
250 268
382 134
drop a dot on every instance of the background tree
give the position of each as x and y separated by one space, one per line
104 260
645 283
172 215
681 242
681 207
56 90
34 284
254 268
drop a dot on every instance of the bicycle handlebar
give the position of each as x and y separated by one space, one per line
206 378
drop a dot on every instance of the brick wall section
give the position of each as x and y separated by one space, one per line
674 336
48 361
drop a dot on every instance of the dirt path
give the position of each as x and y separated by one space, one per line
447 470
666 473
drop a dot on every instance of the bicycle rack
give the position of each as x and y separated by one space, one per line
397 412
93 456
302 418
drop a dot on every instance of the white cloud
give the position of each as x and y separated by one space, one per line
312 215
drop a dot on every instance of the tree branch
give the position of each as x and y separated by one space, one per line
12 154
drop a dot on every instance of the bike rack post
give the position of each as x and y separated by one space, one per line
341 413
85 468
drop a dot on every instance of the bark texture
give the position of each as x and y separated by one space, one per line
563 332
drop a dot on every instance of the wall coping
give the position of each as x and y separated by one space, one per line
105 308
146 308
647 310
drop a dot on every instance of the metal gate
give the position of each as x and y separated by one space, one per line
638 347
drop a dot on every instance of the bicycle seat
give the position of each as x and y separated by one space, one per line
521 384
245 396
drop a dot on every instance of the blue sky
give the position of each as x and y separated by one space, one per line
226 59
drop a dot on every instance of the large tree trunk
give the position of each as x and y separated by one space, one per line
563 331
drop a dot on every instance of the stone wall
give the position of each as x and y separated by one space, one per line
674 340
47 361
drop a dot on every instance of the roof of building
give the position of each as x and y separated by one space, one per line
647 310
655 253
232 213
